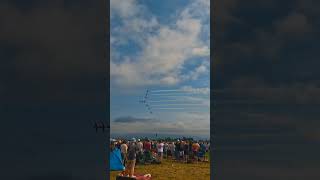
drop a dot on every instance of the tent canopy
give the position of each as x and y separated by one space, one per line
116 160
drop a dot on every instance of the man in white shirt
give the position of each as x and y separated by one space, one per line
140 146
171 148
140 150
160 150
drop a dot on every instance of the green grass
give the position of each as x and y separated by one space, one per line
169 169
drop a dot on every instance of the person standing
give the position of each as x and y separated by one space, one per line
186 151
207 151
140 150
160 150
177 150
172 148
166 149
124 150
195 149
118 144
154 146
131 158
140 146
202 151
181 150
147 150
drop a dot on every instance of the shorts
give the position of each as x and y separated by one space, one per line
177 154
181 153
160 154
130 164
123 155
201 154
195 153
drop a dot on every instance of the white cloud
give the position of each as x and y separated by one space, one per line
124 8
200 70
199 9
205 91
165 49
136 22
170 80
184 123
202 51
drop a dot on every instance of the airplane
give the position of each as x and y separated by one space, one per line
146 96
142 101
98 125
149 108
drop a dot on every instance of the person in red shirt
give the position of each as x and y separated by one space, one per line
147 145
147 149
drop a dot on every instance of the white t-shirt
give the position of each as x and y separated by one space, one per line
173 146
140 146
207 146
160 147
124 148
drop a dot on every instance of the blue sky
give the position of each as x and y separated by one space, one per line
160 45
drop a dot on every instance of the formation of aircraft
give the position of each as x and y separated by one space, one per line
100 125
145 101
173 95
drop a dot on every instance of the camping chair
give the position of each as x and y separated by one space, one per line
147 156
141 158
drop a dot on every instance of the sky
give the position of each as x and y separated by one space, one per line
159 45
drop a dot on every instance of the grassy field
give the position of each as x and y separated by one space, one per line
169 169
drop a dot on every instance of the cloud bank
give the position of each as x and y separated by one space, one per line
163 49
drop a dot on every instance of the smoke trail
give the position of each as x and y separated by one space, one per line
170 100
157 105
170 94
169 90
168 108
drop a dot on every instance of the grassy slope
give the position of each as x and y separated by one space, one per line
173 170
